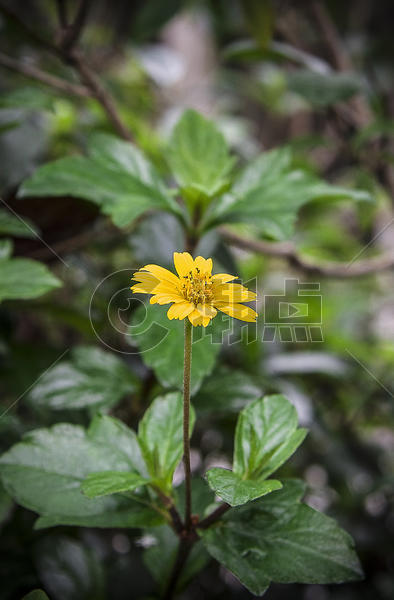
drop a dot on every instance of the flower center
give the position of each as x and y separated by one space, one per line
197 287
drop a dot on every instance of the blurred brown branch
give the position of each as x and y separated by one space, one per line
361 115
68 37
287 251
214 516
51 80
102 95
70 33
358 112
62 12
33 35
66 48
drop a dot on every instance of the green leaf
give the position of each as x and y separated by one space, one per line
93 378
266 436
199 157
160 342
12 225
268 194
45 470
116 176
129 513
231 488
28 97
324 89
248 50
160 435
158 234
267 167
105 483
70 569
22 278
226 391
6 248
277 539
114 434
36 595
293 491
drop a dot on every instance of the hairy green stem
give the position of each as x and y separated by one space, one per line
186 422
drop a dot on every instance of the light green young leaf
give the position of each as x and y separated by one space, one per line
45 470
23 278
116 177
92 378
277 539
234 490
199 157
105 483
161 439
266 436
160 342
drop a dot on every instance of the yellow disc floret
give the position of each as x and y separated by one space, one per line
197 287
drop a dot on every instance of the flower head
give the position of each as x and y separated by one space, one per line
194 293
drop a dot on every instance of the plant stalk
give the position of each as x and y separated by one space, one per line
184 549
186 422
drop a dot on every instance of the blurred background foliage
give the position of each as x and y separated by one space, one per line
315 77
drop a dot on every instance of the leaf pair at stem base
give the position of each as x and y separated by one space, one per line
266 436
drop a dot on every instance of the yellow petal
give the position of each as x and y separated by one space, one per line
206 321
223 278
203 264
239 311
195 318
137 289
183 263
165 298
206 310
147 287
164 287
180 310
162 273
145 276
232 292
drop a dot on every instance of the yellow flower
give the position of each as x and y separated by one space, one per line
195 293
